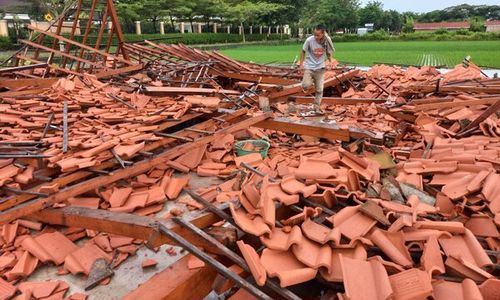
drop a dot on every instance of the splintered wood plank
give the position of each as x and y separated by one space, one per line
306 128
129 225
165 90
337 101
32 82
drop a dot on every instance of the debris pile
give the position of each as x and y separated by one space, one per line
391 193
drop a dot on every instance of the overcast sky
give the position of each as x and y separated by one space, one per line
428 5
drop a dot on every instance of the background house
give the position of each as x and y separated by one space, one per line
442 25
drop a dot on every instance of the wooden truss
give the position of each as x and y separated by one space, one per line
79 41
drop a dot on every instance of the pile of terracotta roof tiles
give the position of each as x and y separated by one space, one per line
413 219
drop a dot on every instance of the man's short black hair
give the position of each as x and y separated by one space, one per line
320 27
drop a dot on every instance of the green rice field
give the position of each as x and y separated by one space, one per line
435 53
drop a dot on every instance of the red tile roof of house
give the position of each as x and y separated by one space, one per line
439 25
492 22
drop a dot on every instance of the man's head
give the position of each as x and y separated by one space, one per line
319 32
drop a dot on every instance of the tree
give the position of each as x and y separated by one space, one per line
243 11
395 23
334 14
477 24
154 11
179 9
53 7
373 12
128 12
290 13
409 24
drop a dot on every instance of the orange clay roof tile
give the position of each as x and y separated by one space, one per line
313 254
482 225
467 247
411 284
392 244
459 267
128 151
7 290
253 262
315 169
351 222
40 289
194 262
292 186
365 279
335 272
320 233
53 247
175 186
431 259
307 212
103 242
491 191
81 260
119 196
178 166
148 263
286 267
9 232
23 268
490 289
464 290
281 239
251 224
252 159
88 202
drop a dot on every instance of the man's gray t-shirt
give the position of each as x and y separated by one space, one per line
316 53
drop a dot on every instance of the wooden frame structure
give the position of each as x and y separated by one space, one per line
62 54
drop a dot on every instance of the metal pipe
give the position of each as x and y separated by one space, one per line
233 256
212 262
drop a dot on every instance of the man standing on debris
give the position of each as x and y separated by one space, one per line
316 50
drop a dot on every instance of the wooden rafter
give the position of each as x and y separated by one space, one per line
76 58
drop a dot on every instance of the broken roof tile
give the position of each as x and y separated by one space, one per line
148 263
175 186
194 262
252 159
81 260
23 268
